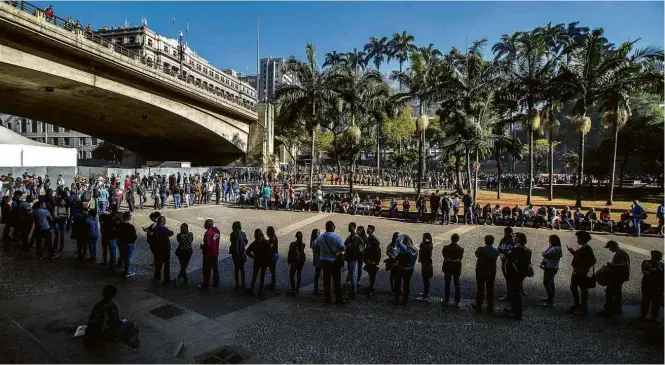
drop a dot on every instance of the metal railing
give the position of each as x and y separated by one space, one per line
69 25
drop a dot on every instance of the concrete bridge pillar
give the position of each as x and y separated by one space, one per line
261 142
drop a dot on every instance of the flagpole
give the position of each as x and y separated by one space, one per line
258 63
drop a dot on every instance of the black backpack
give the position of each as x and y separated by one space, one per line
86 196
95 193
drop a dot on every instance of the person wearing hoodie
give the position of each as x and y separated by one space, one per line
261 253
425 259
372 257
390 261
406 255
210 249
162 251
296 260
237 250
452 267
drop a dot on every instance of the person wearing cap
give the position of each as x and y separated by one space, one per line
619 274
652 285
583 260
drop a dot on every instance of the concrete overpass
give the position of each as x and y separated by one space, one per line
59 74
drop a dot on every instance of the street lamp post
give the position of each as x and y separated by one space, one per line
181 54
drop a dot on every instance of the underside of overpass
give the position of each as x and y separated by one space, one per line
51 81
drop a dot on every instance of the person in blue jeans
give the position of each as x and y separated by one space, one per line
637 215
102 200
126 233
93 235
266 196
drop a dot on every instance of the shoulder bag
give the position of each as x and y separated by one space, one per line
339 255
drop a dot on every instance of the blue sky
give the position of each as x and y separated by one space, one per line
225 32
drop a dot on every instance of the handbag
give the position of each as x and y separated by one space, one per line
590 281
339 255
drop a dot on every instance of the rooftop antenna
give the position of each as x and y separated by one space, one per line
187 33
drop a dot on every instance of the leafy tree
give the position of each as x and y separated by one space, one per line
108 152
400 47
397 129
541 150
570 160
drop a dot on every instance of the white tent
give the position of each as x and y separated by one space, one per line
19 151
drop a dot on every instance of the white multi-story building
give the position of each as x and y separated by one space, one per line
271 77
175 56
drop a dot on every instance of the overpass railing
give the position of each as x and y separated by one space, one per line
69 25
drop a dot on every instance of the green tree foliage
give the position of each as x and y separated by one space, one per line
398 129
541 150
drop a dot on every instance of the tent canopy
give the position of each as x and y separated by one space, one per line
19 151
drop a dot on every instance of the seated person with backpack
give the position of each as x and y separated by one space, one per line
105 324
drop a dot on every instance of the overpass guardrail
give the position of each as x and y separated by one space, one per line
69 25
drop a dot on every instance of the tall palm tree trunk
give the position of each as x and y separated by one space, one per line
551 163
580 172
467 154
529 136
421 142
311 167
499 171
458 174
614 165
378 147
476 168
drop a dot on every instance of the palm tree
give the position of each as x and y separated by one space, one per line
592 60
301 101
635 73
357 59
333 58
551 125
377 51
421 79
401 46
526 58
430 54
359 95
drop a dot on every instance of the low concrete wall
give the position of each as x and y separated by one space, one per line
67 173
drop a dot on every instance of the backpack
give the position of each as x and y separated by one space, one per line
95 193
86 196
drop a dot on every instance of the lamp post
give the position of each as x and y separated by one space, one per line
181 55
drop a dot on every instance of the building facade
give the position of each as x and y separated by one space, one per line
52 134
174 55
271 77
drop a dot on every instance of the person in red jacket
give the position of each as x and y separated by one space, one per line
210 248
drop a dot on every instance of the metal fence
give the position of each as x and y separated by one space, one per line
69 25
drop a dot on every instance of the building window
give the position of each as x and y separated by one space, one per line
149 42
56 129
198 67
132 39
49 140
34 126
118 40
94 141
88 154
175 53
166 49
66 141
66 130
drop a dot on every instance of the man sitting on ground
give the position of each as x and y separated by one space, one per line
104 323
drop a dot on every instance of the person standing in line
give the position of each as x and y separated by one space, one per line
184 251
93 234
456 208
126 244
102 199
108 225
237 250
485 275
452 268
260 252
425 259
550 265
406 256
660 214
506 244
467 201
445 208
43 229
163 251
390 261
150 234
332 249
210 250
316 259
637 214
296 260
518 261
372 257
619 274
583 261
652 286
176 197
273 242
352 248
267 193
129 195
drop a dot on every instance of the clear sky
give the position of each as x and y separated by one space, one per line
225 32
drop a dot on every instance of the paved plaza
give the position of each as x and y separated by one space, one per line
42 303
